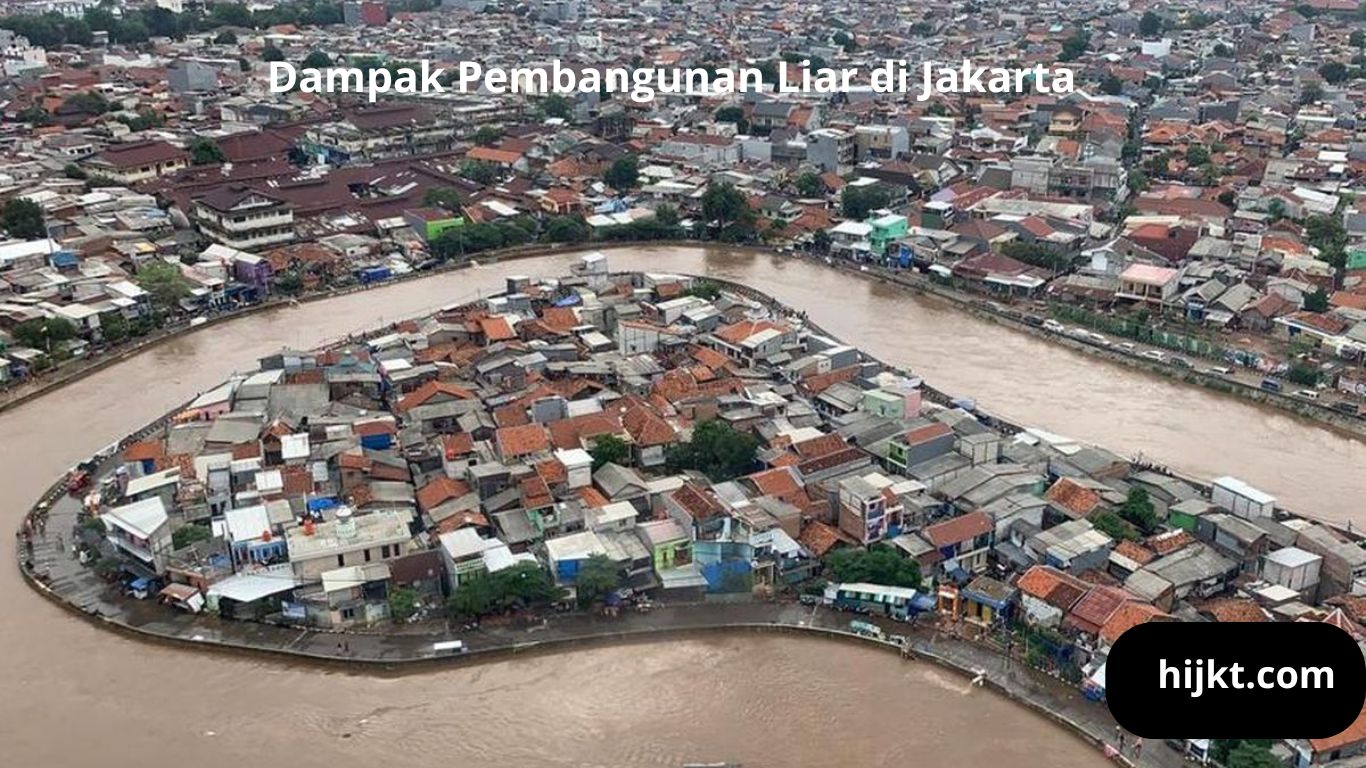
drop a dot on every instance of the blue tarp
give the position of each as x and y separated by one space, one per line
569 301
324 502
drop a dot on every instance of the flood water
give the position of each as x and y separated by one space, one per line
79 695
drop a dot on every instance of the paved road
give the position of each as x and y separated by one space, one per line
77 585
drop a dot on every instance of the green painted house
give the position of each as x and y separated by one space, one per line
887 228
670 545
431 223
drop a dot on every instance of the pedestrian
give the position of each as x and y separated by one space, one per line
339 648
1121 740
1138 746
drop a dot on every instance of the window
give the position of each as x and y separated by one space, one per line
384 551
367 555
348 613
341 560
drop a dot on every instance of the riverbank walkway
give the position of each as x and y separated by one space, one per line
398 648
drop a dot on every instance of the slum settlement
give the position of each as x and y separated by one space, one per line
603 440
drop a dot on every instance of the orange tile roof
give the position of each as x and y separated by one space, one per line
1129 615
522 440
1075 498
440 490
958 529
819 538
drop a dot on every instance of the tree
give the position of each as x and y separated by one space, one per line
289 282
527 585
623 174
733 114
609 449
856 202
1197 155
186 535
271 53
1333 72
205 151
1316 301
479 172
1074 46
597 577
317 60
558 106
878 565
1038 256
488 135
821 241
717 450
402 604
443 197
809 184
566 229
727 212
35 115
1112 525
472 599
23 219
1310 92
225 37
1276 209
1138 509
1150 25
114 327
1357 39
704 289
1248 755
87 103
42 333
1111 85
164 282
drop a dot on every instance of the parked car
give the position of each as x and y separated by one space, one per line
1308 394
1271 385
1154 354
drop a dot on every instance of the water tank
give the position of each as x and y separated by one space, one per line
346 523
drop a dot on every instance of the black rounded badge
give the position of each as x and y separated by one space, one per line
1289 680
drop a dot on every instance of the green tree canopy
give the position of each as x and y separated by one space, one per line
86 102
164 282
597 577
317 60
877 565
479 171
1138 509
43 333
186 535
727 212
204 151
566 229
270 52
1150 24
557 105
488 135
1334 72
733 114
443 197
23 220
1317 301
809 184
717 450
609 449
857 202
623 174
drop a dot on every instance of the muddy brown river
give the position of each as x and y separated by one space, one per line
79 695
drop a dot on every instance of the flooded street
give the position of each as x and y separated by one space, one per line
760 700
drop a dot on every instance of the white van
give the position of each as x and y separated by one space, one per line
448 647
